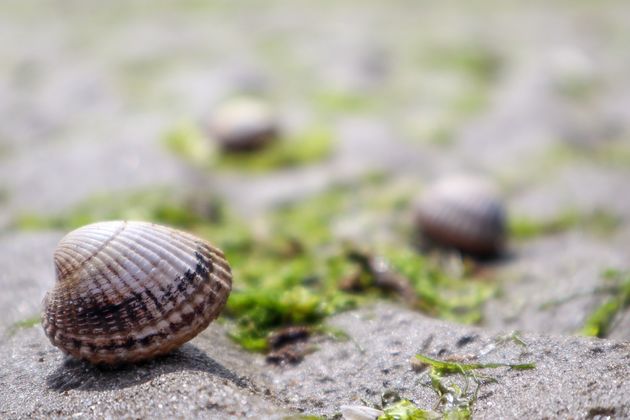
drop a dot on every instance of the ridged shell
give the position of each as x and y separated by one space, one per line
463 212
243 124
130 291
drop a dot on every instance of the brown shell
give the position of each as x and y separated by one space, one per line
243 125
465 213
130 291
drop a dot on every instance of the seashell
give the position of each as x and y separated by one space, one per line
465 213
243 125
360 412
130 291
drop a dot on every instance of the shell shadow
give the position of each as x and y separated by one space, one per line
80 375
424 245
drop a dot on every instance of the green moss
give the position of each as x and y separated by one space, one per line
598 221
600 322
311 145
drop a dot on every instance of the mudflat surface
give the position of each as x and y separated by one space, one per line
90 91
574 377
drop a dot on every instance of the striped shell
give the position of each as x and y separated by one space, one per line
243 125
130 291
465 213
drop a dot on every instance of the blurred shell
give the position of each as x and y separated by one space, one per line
243 124
129 291
463 212
360 412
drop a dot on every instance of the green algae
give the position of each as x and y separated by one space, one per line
476 60
611 154
293 276
311 145
456 385
273 290
406 410
160 205
303 417
607 153
457 401
23 324
442 367
4 196
290 264
339 102
601 321
474 68
187 141
598 221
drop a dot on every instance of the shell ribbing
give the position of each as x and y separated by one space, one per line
128 291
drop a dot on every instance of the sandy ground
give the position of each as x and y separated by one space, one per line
88 91
574 377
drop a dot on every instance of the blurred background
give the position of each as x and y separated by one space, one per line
118 110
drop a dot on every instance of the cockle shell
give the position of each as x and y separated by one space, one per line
463 212
243 124
130 291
